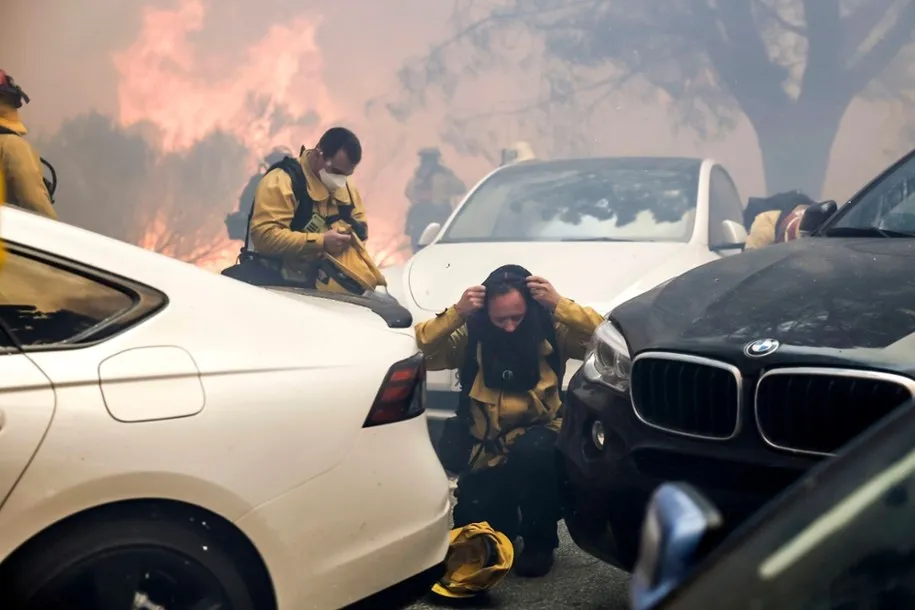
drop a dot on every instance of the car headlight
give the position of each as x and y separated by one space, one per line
607 360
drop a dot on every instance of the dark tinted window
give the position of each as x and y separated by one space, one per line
42 304
889 204
637 200
843 539
6 342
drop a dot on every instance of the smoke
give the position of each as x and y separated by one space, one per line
254 92
115 181
157 112
203 92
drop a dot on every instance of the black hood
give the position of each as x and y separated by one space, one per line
839 293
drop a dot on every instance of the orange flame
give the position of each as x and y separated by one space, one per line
275 96
165 80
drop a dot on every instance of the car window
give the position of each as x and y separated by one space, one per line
724 204
889 204
651 201
844 541
42 304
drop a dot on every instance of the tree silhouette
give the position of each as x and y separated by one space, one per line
791 66
115 182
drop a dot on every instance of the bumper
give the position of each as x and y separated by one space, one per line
377 519
439 407
403 594
605 491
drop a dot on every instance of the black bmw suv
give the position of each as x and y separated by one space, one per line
740 375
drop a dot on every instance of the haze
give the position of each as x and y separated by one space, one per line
188 95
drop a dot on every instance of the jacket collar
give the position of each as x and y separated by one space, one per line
9 118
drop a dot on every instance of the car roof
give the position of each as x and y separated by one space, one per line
662 163
112 255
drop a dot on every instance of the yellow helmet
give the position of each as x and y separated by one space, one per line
478 559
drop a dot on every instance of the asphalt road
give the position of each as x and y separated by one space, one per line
577 581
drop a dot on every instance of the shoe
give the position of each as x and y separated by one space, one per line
533 563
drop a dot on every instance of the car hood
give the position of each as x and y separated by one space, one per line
592 273
812 293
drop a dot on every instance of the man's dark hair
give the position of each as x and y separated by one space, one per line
336 138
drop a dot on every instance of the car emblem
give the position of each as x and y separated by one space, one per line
761 347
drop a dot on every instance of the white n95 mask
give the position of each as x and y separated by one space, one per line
332 181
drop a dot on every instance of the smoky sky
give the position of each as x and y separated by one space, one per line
62 53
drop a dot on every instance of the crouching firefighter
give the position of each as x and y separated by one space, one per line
509 339
307 226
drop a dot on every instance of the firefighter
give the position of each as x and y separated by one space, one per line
510 339
19 162
431 192
775 219
293 244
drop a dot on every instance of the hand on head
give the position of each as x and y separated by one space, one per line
543 292
472 300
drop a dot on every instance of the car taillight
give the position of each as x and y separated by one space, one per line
401 395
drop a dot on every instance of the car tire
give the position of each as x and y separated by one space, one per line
136 558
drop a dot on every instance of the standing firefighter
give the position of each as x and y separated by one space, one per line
307 227
19 162
775 219
431 192
510 339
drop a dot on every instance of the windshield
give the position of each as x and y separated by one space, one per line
844 539
611 200
888 205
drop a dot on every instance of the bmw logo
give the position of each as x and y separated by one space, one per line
761 347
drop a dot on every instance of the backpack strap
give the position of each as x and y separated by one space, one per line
346 215
305 205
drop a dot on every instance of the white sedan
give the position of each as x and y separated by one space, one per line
171 438
602 230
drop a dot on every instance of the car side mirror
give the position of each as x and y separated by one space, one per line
428 234
735 236
816 216
681 527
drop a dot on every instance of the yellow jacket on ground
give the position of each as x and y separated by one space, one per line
21 167
274 208
443 341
